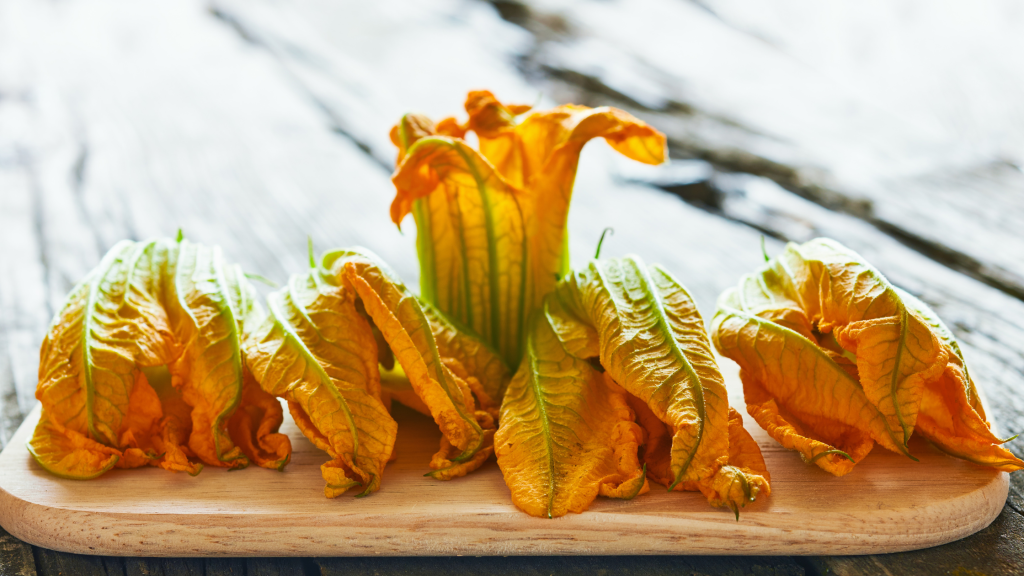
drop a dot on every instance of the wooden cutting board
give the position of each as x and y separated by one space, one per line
887 504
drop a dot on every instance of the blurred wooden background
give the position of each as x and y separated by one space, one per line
895 127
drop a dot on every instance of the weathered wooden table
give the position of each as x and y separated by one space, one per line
897 129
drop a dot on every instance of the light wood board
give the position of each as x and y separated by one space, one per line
888 503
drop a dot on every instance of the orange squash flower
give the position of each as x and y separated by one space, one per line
834 359
491 224
143 366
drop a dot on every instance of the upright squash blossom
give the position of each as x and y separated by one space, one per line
143 366
568 432
834 359
491 224
317 349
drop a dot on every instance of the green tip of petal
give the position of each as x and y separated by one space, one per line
639 485
470 451
403 134
240 464
262 279
433 473
837 452
600 242
312 259
764 251
369 487
180 237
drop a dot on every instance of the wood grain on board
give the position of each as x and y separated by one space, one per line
888 504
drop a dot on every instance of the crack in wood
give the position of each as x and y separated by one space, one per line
590 89
335 122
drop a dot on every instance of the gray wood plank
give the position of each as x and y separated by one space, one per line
280 567
24 310
52 563
169 146
16 557
917 137
994 551
543 566
225 567
164 567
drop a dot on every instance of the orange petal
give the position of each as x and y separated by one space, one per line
405 327
949 421
896 351
254 427
318 352
70 454
566 432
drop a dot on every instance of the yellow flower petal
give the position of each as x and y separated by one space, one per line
562 426
317 352
407 330
470 239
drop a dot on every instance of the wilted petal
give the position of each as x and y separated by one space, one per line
835 358
317 352
401 320
566 434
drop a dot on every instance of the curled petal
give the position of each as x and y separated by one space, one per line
539 156
410 129
896 351
255 425
798 392
68 453
471 239
488 117
444 468
951 423
454 374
